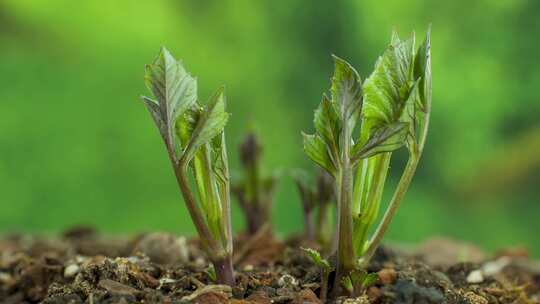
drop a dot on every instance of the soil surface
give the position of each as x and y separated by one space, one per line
82 266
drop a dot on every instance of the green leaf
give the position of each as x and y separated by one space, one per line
174 89
388 87
153 108
422 71
316 258
362 278
327 124
210 124
315 149
385 139
346 90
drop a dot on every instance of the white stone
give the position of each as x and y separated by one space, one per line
71 270
475 277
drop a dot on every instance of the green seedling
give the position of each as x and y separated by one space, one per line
255 192
325 269
195 140
358 281
316 201
356 130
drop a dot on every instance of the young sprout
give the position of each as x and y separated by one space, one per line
325 269
358 281
195 140
316 201
390 110
254 192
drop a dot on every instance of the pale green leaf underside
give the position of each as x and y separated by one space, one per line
385 139
327 124
316 149
172 86
211 123
346 89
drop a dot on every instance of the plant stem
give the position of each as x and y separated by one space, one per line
345 254
401 189
224 270
226 199
324 285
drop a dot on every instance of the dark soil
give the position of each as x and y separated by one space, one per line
84 267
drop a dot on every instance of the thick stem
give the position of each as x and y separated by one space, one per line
345 254
224 270
211 245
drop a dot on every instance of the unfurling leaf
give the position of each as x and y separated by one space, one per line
422 71
210 124
316 149
384 139
328 125
346 90
388 87
316 258
153 108
172 86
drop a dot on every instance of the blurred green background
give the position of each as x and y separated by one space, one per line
78 147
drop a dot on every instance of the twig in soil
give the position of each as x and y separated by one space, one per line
220 289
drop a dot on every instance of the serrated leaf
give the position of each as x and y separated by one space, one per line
388 87
316 149
173 87
384 139
210 124
422 71
346 90
327 124
153 108
316 258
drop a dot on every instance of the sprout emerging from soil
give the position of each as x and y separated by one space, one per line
388 111
195 140
255 192
316 201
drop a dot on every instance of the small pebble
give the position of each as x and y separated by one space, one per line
475 277
494 267
374 293
387 276
200 261
5 277
71 270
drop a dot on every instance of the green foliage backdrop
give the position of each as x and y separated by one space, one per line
77 146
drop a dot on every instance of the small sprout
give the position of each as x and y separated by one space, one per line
211 273
325 268
195 140
358 281
255 192
316 199
357 129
